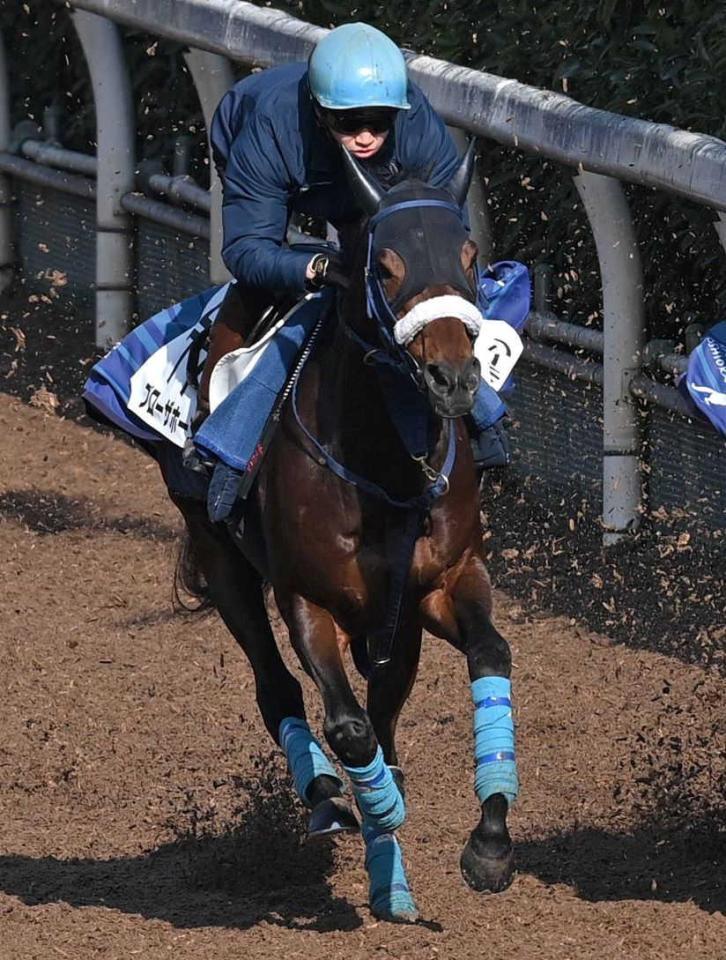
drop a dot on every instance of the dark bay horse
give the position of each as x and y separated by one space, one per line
333 535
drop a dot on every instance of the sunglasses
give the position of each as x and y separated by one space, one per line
352 121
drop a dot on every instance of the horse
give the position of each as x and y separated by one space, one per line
366 544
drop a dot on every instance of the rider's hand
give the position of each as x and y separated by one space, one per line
326 270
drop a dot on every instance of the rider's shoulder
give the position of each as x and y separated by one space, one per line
271 93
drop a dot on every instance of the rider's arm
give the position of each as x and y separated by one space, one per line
255 212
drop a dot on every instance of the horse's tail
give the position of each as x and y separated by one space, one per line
189 581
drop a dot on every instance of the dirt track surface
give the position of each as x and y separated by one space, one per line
144 810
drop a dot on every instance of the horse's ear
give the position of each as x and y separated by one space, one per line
365 189
469 253
392 270
458 186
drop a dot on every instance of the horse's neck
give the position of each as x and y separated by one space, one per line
359 429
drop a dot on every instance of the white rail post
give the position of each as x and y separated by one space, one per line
115 135
212 75
624 337
6 192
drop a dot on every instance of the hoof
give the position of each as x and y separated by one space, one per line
397 909
330 817
487 866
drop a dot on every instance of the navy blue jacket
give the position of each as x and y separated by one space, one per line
275 159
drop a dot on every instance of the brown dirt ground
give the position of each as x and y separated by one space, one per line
144 812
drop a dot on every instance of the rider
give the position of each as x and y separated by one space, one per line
276 139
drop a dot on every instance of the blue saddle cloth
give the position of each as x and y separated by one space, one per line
231 433
108 387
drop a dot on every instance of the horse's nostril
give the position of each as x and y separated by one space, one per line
439 376
472 375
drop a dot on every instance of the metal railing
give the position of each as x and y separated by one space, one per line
602 148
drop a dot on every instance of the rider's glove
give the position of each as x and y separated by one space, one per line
327 271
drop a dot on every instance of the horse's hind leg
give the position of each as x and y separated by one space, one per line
464 618
235 588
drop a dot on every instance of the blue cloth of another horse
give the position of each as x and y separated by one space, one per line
231 433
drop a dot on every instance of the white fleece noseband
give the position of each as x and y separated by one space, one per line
413 322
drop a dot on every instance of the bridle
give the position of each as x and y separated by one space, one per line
393 333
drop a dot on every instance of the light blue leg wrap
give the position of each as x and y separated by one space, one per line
305 757
496 764
389 893
377 795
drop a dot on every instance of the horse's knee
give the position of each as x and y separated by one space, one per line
351 739
489 654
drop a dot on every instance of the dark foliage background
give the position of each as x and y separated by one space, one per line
663 62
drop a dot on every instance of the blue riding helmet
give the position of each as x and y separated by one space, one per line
355 66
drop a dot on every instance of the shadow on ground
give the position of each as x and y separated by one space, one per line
648 864
213 881
47 512
232 868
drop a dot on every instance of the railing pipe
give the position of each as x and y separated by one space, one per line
572 367
543 122
6 194
623 341
546 326
660 394
115 173
212 75
141 206
53 156
47 177
673 363
182 190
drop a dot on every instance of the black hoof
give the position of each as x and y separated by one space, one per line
488 866
330 817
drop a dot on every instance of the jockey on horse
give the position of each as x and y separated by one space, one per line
277 139
366 537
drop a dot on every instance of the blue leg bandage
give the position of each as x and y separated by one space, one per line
496 765
305 756
377 795
389 893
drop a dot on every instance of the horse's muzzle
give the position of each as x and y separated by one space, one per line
452 387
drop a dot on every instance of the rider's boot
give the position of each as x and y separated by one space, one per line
238 314
241 309
489 441
490 447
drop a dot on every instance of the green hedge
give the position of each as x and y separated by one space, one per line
662 62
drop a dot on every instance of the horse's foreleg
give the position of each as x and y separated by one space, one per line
236 590
463 617
351 736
